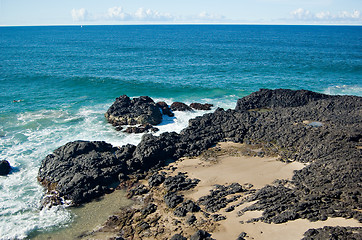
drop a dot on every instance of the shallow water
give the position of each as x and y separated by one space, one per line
87 217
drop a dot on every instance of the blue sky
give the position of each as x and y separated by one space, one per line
52 12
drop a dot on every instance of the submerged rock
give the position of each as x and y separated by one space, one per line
5 168
126 111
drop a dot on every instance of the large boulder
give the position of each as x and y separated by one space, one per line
5 168
126 111
81 171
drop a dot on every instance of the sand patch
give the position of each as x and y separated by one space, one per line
258 171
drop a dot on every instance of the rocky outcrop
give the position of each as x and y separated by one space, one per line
217 200
327 187
179 106
5 168
126 111
266 98
333 233
81 171
141 129
200 106
166 110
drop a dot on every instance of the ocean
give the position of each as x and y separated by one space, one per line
66 77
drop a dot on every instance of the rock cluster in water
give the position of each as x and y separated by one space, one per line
144 112
5 168
277 119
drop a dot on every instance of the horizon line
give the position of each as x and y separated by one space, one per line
187 23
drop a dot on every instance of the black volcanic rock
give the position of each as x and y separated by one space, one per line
328 187
166 110
81 171
180 182
156 180
352 233
126 111
179 106
5 168
178 237
172 199
200 106
266 98
200 235
141 129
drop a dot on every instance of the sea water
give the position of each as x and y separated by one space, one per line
66 77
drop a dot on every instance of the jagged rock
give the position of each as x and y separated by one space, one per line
81 171
327 187
201 235
266 98
150 208
156 180
179 106
185 207
333 233
242 236
190 220
126 111
5 168
200 106
230 209
218 217
178 237
141 129
138 190
180 182
166 110
172 199
142 226
217 200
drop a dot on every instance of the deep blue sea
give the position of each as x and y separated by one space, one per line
67 77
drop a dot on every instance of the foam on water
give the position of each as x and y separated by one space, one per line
344 90
30 136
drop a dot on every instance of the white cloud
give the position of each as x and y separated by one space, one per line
301 14
79 15
210 16
326 16
117 13
151 15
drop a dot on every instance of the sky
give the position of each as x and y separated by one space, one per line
109 12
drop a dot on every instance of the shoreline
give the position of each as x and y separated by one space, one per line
253 172
313 136
88 217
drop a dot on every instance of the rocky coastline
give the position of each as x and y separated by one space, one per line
297 126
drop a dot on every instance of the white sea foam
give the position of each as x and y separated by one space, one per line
344 90
30 136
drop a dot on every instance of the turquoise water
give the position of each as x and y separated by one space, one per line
67 77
